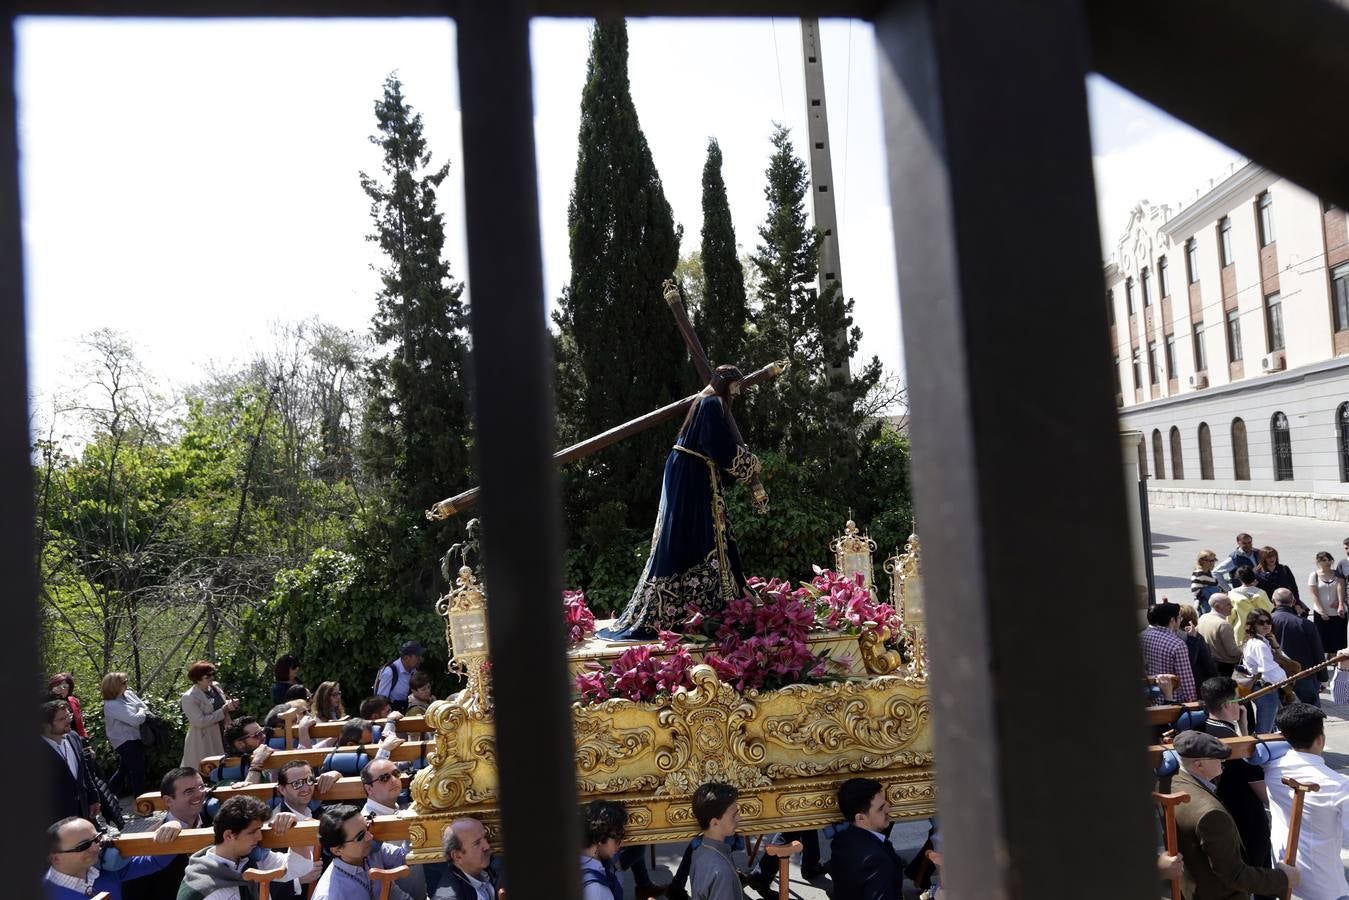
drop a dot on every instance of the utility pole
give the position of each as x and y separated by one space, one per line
822 177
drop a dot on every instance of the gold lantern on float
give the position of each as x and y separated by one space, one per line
906 595
852 554
465 612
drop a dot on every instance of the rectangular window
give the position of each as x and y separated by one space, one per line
1129 295
1143 279
1225 241
1154 364
1274 321
1233 336
1163 283
1170 356
1264 205
1192 261
1119 384
1339 291
1200 360
1110 305
1138 372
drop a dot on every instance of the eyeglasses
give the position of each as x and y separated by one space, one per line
358 836
1264 621
383 779
85 844
255 735
301 782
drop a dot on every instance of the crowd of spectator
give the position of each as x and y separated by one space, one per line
1252 633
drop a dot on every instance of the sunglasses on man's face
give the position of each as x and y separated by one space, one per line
85 844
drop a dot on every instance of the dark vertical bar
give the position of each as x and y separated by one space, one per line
18 662
513 410
1016 449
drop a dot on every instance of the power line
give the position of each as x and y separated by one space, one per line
777 59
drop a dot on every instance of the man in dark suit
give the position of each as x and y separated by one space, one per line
74 790
1300 641
469 875
863 862
1207 835
1242 785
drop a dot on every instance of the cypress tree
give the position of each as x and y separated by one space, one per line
415 431
723 312
617 336
802 414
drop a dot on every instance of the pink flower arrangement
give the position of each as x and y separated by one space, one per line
580 620
758 641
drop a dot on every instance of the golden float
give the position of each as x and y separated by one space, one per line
787 750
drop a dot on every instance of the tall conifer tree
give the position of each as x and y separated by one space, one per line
802 414
721 320
617 335
417 422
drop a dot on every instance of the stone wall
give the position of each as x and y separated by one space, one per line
1311 506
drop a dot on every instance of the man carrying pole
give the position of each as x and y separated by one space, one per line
1325 821
1207 835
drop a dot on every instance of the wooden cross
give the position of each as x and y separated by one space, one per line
459 502
1300 792
1169 802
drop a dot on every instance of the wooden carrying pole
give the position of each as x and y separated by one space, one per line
1169 802
1310 670
460 502
1300 792
784 853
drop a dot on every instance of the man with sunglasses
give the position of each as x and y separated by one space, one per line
345 834
185 799
383 785
296 784
246 738
73 849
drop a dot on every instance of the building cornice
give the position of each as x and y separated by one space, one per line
1255 383
1235 189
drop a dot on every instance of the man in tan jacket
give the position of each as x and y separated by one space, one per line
1207 835
1217 632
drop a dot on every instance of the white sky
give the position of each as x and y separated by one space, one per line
191 183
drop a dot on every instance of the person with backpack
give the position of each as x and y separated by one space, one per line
395 679
603 823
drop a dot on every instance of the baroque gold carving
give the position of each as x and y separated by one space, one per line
807 802
837 717
600 746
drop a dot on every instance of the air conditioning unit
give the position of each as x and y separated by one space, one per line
1274 362
1199 380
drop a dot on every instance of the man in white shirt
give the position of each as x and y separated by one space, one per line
295 782
216 873
395 678
383 783
1325 819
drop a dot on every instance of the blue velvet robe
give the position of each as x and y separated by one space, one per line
694 560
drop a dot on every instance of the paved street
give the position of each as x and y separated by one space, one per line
1179 534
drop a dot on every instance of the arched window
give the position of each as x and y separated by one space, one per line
1241 461
1206 452
1283 447
1177 458
1342 428
1143 460
1158 463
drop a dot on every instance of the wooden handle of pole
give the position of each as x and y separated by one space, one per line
386 878
1169 802
263 877
1300 792
784 853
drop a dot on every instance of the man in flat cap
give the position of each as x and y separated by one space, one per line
1207 834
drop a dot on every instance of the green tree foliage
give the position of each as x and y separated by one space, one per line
792 320
417 421
723 311
619 354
